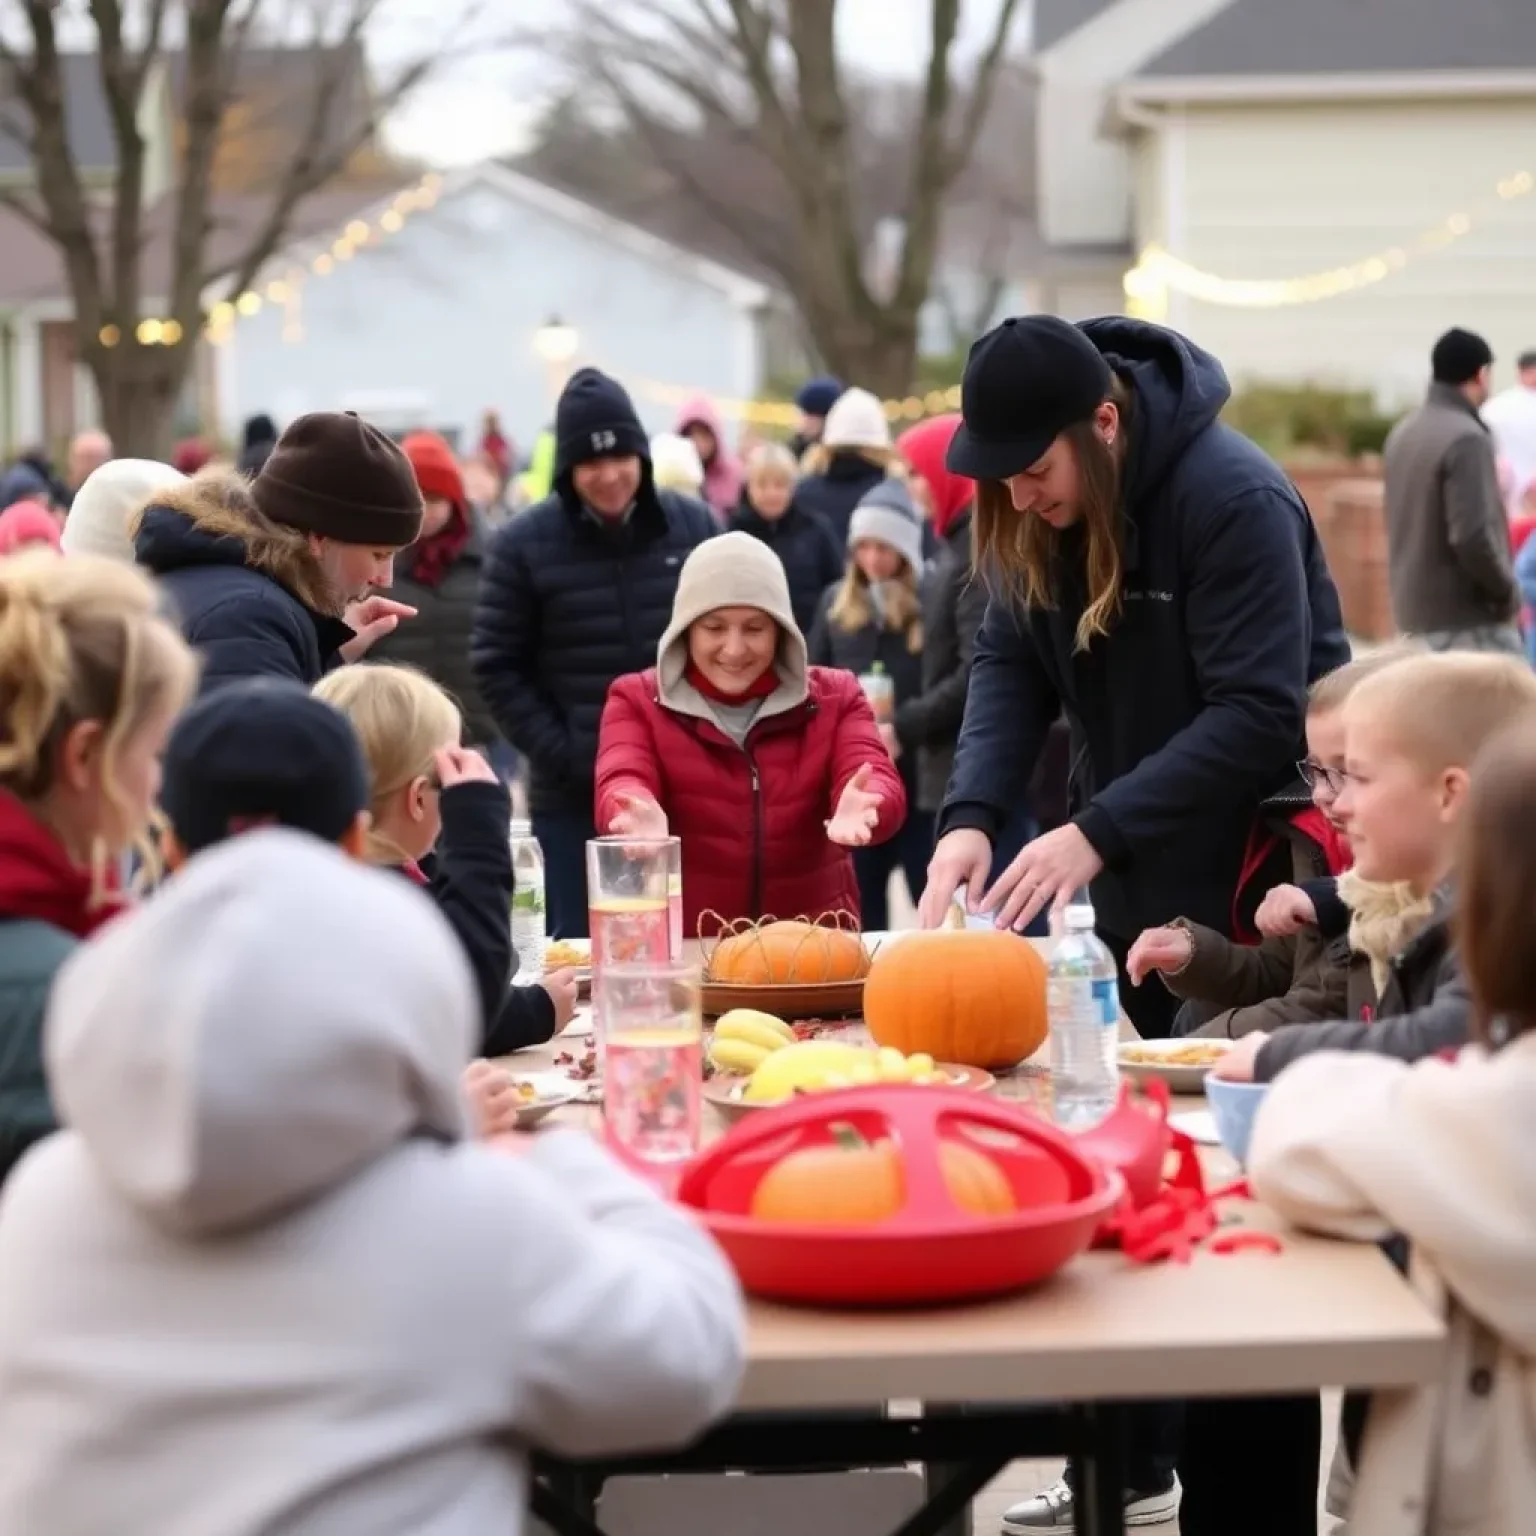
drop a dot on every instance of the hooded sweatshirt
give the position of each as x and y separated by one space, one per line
722 470
262 1284
110 495
1362 1146
1190 711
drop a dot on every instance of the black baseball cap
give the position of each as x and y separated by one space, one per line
262 751
1025 380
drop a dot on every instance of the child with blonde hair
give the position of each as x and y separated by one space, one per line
772 513
91 679
440 816
1411 734
1440 1153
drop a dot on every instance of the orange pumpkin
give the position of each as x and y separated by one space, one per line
786 953
974 997
853 1181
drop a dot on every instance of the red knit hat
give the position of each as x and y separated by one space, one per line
437 470
27 522
924 447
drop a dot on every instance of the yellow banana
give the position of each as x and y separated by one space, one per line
737 1055
756 1028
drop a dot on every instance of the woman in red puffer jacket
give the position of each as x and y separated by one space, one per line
767 769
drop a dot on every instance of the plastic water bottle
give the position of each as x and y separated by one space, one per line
1083 1007
528 933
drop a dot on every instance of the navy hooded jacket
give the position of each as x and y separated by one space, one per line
1192 709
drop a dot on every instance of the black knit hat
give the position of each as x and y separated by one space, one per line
334 474
260 751
1025 380
595 419
1459 356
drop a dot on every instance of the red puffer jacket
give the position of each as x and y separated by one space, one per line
751 819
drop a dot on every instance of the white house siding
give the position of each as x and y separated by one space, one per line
440 318
1279 191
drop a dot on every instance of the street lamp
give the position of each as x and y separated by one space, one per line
555 342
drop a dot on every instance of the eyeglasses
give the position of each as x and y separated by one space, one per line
1313 774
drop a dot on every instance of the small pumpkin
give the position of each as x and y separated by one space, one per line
788 953
851 1181
976 997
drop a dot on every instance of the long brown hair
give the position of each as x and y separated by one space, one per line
1021 553
852 607
1496 884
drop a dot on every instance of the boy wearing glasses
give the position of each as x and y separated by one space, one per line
1300 971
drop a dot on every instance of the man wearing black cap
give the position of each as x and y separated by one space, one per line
575 592
1448 550
277 577
1156 577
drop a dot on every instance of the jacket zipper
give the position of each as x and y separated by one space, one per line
757 833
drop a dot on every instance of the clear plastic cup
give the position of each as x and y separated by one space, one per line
649 1020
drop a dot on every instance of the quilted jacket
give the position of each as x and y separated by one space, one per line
566 605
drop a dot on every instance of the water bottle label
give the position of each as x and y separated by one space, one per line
1106 1003
528 899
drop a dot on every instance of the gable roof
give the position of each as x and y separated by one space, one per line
1354 37
740 288
1056 19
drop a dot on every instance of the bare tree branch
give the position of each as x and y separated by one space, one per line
983 89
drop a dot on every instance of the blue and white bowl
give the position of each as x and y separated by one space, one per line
1233 1108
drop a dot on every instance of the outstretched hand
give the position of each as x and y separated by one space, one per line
370 619
857 814
638 815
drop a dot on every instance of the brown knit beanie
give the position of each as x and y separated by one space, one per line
335 475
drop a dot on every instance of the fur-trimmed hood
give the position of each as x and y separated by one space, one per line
213 520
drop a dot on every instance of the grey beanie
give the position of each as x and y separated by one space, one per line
888 513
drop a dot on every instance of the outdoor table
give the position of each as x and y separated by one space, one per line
1046 1372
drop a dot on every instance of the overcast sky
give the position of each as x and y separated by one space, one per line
482 107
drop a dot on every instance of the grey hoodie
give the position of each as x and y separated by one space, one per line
261 1287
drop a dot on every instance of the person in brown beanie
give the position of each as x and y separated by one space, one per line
280 576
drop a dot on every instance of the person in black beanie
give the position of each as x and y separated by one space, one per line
1155 576
575 592
1449 561
278 576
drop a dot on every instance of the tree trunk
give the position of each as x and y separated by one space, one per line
138 387
877 352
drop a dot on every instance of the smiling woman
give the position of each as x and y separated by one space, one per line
769 770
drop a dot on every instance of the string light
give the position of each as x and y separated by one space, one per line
1149 282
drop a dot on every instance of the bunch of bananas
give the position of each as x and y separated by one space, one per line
745 1038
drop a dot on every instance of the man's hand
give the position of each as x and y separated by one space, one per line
962 857
1285 910
371 618
1168 950
1237 1065
1052 868
561 986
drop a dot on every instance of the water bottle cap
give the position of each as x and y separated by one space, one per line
1078 917
521 827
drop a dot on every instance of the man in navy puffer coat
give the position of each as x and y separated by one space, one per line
575 592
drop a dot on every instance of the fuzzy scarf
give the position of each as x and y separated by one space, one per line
1384 918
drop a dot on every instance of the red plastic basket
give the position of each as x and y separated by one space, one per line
932 1250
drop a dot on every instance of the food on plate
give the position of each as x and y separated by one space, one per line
565 954
745 1037
526 1091
1192 1053
797 953
812 1066
973 997
853 1180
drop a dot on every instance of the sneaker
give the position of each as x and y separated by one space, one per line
1051 1509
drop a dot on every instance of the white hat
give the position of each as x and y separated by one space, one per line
856 420
98 517
675 463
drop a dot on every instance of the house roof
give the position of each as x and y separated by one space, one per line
33 272
740 287
277 84
1351 37
1056 19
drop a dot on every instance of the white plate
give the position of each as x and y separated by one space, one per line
1199 1125
553 1088
1180 1079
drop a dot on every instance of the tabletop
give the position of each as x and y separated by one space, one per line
1318 1313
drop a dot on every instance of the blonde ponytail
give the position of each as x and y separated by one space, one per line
81 639
401 718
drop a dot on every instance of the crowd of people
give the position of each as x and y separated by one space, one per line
261 721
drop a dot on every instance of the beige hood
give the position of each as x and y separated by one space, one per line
272 1020
732 570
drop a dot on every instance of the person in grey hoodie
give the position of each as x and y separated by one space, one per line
262 1283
